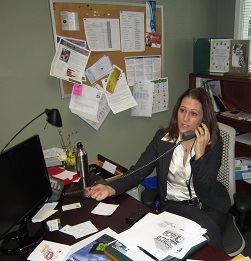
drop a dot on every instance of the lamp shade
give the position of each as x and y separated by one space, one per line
53 117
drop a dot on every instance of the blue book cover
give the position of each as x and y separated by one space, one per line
93 251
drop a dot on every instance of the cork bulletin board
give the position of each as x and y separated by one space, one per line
86 9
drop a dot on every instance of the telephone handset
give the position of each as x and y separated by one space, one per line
57 187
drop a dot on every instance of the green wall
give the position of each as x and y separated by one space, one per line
27 89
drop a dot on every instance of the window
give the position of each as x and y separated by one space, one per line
242 27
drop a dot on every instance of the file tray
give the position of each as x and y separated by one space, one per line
120 170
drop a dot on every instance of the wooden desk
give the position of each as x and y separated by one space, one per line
116 222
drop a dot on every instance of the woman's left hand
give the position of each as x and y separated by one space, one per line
203 138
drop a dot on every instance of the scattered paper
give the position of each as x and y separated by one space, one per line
54 224
168 235
79 230
71 206
104 209
53 152
48 250
46 211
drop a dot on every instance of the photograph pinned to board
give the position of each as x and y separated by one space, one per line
153 40
240 57
219 55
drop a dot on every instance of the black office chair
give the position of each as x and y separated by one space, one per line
232 238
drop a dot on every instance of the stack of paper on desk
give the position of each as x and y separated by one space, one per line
164 235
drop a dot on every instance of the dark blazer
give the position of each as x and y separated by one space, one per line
204 173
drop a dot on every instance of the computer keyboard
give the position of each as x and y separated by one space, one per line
57 186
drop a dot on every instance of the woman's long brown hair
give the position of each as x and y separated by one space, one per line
209 116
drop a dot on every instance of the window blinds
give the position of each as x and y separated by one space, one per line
242 17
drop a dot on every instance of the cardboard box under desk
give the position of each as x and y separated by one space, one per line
100 164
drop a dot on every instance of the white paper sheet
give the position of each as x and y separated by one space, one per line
103 110
47 250
132 31
122 98
143 94
86 103
104 209
102 34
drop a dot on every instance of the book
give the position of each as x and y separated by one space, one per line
240 57
243 174
93 251
201 55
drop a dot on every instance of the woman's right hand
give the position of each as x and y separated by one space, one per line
100 192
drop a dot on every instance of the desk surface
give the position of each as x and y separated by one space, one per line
116 222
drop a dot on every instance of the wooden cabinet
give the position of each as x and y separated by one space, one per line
236 89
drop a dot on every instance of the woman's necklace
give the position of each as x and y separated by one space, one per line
186 149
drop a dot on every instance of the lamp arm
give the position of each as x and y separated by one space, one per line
21 131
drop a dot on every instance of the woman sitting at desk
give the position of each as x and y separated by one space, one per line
187 176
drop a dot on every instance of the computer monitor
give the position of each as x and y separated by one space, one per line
24 188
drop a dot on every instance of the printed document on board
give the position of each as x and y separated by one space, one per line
85 101
69 62
102 34
121 99
132 31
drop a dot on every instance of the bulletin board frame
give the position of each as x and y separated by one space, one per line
101 9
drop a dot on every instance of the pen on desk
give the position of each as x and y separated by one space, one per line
147 253
93 184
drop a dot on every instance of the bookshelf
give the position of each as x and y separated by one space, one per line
237 89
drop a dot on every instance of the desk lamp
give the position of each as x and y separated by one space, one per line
53 117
